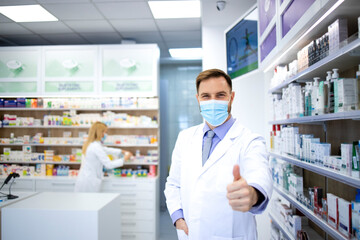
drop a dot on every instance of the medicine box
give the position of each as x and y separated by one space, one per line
344 217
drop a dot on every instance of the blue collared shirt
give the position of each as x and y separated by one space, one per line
220 133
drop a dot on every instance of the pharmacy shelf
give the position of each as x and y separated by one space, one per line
341 59
312 234
76 145
355 115
41 162
327 12
327 172
84 127
77 163
311 215
280 226
78 109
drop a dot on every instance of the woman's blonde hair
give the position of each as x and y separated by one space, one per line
95 134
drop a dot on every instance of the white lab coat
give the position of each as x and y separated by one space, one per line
91 171
201 190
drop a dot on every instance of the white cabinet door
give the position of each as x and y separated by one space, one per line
55 185
20 185
137 236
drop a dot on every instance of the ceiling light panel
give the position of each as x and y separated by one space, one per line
27 13
175 9
186 53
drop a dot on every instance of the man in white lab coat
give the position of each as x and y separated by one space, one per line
219 176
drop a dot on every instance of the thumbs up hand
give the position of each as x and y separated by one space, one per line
241 196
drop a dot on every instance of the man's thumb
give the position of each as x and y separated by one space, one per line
236 172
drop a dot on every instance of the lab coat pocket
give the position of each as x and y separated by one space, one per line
226 238
181 234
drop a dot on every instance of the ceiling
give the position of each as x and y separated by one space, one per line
100 22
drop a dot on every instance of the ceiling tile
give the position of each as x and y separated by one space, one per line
27 40
143 37
134 25
16 2
189 24
73 11
47 27
62 39
181 35
12 28
119 0
90 26
102 38
184 44
125 10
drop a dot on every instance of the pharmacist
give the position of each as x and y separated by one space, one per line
219 176
94 157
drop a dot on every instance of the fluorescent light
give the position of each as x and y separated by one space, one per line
175 9
27 13
186 53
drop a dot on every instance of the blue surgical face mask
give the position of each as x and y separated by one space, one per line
215 112
103 138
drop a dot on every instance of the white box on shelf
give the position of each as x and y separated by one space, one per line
344 217
333 213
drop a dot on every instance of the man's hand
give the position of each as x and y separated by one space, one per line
181 225
241 196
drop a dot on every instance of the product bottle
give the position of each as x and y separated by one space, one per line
302 102
321 99
334 83
358 86
308 99
327 92
314 97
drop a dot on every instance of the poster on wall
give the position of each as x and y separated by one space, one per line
72 62
19 71
242 46
19 63
129 70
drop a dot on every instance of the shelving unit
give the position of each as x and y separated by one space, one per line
83 127
334 128
310 214
79 109
77 145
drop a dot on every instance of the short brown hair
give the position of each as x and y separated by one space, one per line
212 73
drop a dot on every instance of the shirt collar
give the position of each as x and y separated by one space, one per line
221 130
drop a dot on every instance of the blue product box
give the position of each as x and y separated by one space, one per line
1 103
10 103
21 102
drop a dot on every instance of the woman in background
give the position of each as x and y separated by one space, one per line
94 157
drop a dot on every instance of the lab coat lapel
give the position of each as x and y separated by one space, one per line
196 145
222 147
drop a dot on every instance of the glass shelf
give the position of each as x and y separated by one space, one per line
76 145
327 172
321 118
78 109
282 228
84 127
311 215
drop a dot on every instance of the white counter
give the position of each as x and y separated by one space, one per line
60 215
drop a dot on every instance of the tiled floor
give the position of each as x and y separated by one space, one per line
167 230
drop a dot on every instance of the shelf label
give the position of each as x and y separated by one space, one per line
127 86
61 87
18 87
